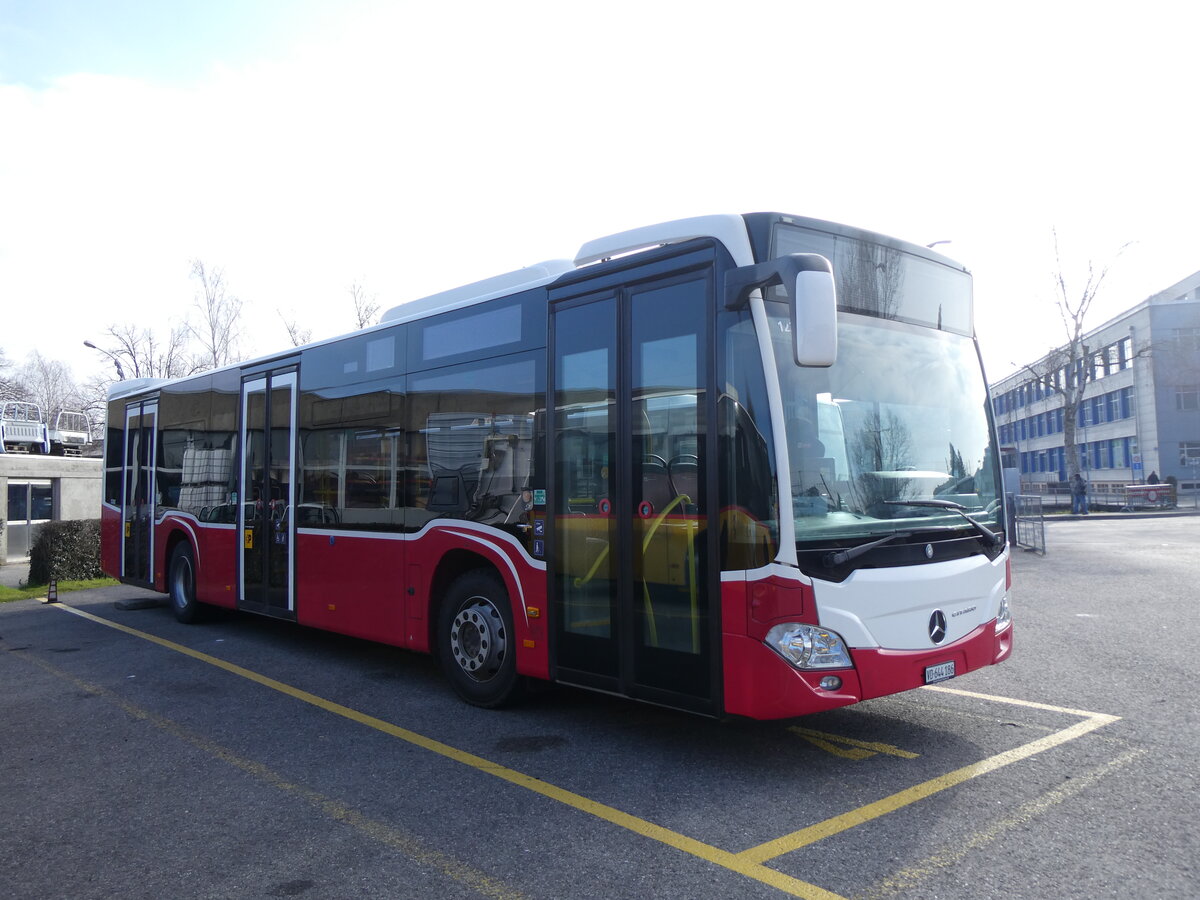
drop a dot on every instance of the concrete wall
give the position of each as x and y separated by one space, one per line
76 487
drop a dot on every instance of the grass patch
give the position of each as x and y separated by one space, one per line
39 590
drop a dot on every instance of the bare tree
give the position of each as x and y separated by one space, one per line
1068 369
366 309
10 389
50 384
297 335
93 400
145 355
218 331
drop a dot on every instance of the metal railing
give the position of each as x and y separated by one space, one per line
1030 523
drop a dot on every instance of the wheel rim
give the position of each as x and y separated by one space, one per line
181 582
478 640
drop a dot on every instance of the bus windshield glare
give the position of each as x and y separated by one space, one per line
878 428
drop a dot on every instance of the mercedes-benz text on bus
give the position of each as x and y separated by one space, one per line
740 465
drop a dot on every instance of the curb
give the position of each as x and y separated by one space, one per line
1112 516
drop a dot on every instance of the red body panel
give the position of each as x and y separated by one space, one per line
760 684
380 588
352 585
377 587
110 540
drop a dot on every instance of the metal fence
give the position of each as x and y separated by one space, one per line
1056 497
1030 522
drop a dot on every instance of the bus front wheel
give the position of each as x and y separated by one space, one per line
181 584
476 641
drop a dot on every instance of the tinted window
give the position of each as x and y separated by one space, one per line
492 328
883 281
377 354
471 439
353 452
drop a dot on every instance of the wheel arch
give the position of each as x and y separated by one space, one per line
451 567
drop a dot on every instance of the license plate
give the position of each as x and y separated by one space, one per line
940 672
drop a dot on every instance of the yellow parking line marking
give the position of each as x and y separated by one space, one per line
908 878
813 833
1012 701
735 862
865 749
382 833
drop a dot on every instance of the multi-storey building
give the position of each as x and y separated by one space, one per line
1140 413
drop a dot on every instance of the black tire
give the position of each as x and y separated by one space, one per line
181 584
476 641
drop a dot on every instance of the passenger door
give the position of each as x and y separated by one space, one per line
635 593
139 495
266 494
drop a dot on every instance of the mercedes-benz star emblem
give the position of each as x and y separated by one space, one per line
937 626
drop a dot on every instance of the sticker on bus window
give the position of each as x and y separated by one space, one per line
248 543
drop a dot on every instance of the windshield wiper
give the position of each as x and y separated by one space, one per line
992 538
833 559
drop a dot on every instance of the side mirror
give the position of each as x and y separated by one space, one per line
807 278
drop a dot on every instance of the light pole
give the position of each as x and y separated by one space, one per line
116 362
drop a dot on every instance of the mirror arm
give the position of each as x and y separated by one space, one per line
740 282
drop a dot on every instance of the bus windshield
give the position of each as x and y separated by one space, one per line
902 415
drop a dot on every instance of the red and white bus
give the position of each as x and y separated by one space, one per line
739 465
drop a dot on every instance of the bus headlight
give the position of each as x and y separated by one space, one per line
808 646
1004 617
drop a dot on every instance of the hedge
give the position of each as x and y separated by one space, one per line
68 551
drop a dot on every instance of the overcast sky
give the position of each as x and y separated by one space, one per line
411 147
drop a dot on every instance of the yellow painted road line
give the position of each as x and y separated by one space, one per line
394 838
736 862
873 746
909 877
1012 701
845 821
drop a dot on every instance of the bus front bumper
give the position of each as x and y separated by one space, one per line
760 684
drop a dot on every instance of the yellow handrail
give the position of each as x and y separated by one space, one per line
692 528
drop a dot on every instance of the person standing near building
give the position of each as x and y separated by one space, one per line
1079 498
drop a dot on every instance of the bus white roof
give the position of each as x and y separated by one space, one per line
730 230
132 386
496 286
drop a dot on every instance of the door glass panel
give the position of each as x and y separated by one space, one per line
255 499
586 559
670 598
279 498
267 493
139 498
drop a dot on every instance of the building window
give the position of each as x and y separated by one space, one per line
1127 353
1112 361
1187 398
1187 340
1126 402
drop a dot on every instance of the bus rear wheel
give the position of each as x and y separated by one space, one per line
476 642
181 584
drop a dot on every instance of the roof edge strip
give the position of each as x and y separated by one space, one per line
730 230
132 386
496 286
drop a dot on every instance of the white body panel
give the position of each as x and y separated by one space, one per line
890 608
